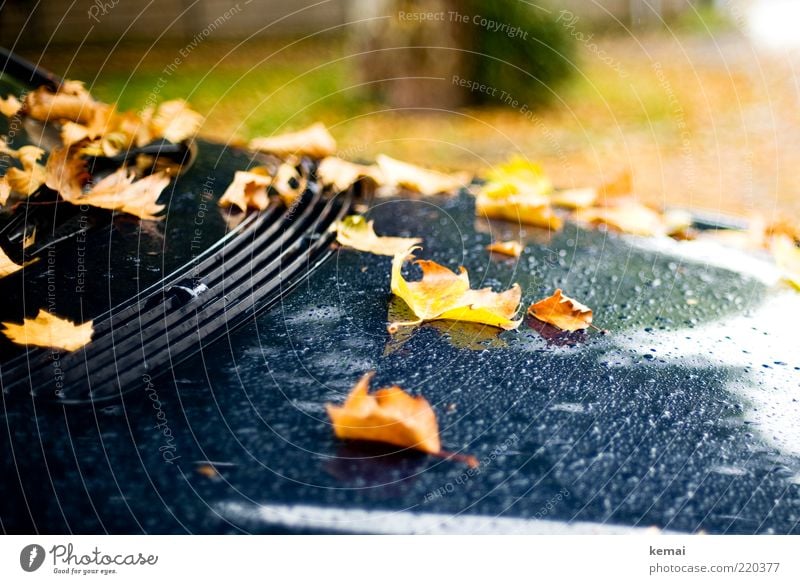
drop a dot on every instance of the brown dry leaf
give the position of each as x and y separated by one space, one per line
285 177
444 295
357 233
7 265
66 173
10 106
627 216
422 180
175 121
50 331
71 102
340 174
562 312
787 256
529 209
390 416
509 248
120 191
248 190
25 181
314 141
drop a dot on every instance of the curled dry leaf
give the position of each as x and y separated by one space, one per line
71 102
418 179
787 256
5 190
356 232
562 312
66 173
390 416
47 330
250 188
314 141
10 105
340 174
27 180
509 248
444 295
120 191
175 121
627 216
288 183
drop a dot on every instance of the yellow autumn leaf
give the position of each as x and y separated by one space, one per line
340 174
422 180
357 233
787 256
509 248
314 141
562 312
47 330
444 295
120 191
517 176
10 105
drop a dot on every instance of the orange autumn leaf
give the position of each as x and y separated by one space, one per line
10 105
120 191
444 295
70 102
415 178
509 248
357 233
7 265
390 415
314 141
530 209
47 330
340 174
250 188
66 173
562 312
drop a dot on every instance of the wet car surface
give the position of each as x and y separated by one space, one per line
682 417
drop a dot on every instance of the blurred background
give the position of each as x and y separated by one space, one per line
698 98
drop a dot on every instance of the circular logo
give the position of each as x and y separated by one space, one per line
31 557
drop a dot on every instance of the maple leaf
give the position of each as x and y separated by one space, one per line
314 141
27 180
627 216
422 180
444 295
250 188
120 191
358 233
562 312
47 330
390 416
70 102
509 248
787 256
340 174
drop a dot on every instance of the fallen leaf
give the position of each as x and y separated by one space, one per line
509 248
444 295
422 180
622 184
70 102
787 256
314 141
390 415
47 330
340 174
248 190
288 184
627 216
175 121
10 105
5 190
356 232
562 312
120 191
574 198
31 176
517 176
529 209
66 173
7 265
